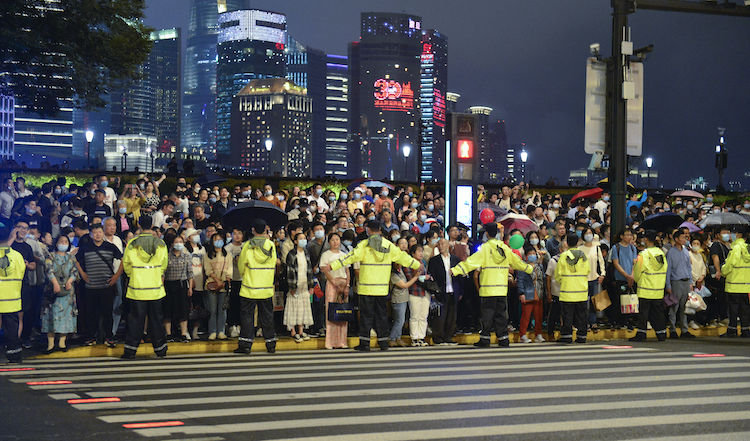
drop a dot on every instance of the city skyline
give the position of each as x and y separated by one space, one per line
537 86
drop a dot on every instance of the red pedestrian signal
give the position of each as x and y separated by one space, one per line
465 149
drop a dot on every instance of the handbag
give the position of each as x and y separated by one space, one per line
340 311
670 299
629 303
695 302
601 301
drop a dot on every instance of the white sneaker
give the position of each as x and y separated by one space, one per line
525 339
234 331
212 336
305 337
539 338
693 325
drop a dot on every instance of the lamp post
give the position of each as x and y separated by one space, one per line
406 150
269 146
721 158
151 155
124 158
524 158
649 163
89 138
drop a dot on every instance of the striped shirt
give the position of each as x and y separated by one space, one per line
97 262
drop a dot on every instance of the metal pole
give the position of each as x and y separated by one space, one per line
618 159
88 154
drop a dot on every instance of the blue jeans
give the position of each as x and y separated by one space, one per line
399 316
217 315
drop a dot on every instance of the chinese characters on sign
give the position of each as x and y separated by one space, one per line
394 96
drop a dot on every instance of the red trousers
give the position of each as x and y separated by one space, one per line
527 309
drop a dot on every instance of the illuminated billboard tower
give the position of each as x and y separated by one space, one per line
250 46
385 90
432 102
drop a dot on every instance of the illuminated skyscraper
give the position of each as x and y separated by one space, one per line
337 116
432 96
198 125
250 46
384 91
7 115
485 147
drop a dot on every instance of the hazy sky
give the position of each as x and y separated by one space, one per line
526 59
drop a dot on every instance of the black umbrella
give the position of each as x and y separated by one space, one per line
210 178
245 213
665 221
717 221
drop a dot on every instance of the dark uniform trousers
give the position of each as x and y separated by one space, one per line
138 310
373 312
493 314
12 342
265 317
574 314
739 305
652 310
553 320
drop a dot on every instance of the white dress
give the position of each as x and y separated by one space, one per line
298 310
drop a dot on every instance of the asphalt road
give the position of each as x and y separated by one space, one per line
655 391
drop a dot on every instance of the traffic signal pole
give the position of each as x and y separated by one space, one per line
617 123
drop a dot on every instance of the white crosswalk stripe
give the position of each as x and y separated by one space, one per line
542 391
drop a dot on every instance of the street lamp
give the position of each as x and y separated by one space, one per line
406 150
151 155
124 158
269 146
524 158
649 163
89 138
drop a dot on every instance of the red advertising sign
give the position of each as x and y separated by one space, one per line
393 96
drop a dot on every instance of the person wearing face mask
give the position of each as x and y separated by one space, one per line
58 316
531 290
679 283
234 246
357 202
281 197
123 221
315 248
218 269
602 205
196 250
316 195
269 197
745 207
736 270
572 273
597 270
420 226
7 199
699 270
178 284
493 259
718 252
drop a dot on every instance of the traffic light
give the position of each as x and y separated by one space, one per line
466 149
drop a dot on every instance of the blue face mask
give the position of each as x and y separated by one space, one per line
605 198
104 184
123 210
63 248
348 243
179 246
302 243
219 243
578 233
531 258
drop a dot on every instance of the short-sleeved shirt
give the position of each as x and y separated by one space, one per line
717 249
97 262
625 257
398 295
554 284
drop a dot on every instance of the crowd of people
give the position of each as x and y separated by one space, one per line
110 262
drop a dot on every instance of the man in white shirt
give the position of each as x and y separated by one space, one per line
110 196
21 190
7 199
167 209
439 268
602 205
317 196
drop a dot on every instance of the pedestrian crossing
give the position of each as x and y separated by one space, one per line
542 391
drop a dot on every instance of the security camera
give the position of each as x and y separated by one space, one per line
594 48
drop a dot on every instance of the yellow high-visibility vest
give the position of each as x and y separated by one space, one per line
11 279
494 259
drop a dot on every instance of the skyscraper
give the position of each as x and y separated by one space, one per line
306 67
250 46
497 165
272 128
7 123
432 96
486 155
336 116
198 125
451 101
384 87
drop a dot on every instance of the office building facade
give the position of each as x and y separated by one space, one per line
128 152
336 116
7 126
272 128
485 148
198 124
250 46
497 165
432 102
385 86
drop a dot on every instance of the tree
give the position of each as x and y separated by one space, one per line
57 49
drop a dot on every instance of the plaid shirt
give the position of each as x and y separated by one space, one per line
179 267
415 290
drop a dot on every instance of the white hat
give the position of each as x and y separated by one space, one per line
190 231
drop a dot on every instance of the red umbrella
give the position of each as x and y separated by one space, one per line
512 221
591 193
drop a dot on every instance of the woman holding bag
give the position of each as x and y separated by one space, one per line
59 318
337 290
217 265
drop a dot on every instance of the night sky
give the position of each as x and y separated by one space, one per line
526 59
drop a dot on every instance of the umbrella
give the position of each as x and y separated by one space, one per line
690 226
378 184
210 178
687 194
243 214
512 221
66 198
591 193
718 220
666 221
499 211
604 183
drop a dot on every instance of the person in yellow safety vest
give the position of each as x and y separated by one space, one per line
144 261
571 273
375 256
12 269
650 273
257 264
494 259
736 269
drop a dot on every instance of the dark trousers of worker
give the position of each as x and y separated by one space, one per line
467 314
31 299
265 317
233 310
739 306
574 314
716 304
137 312
553 319
493 315
444 325
373 311
12 342
652 310
99 313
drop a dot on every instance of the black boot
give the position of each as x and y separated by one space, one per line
483 343
503 343
242 350
639 336
271 347
565 340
